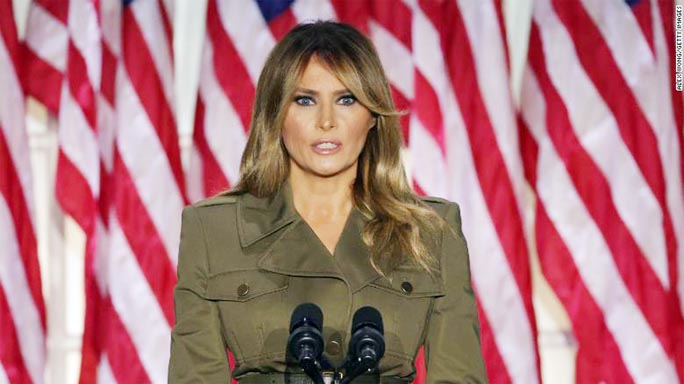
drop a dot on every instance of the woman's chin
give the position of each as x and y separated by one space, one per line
328 172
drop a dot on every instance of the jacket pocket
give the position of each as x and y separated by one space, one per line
244 285
252 311
405 303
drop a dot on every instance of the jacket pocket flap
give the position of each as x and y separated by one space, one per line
410 283
244 285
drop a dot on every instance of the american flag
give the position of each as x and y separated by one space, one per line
22 310
602 143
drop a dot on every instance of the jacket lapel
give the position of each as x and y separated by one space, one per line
352 255
297 250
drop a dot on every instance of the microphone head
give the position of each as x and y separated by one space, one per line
367 317
308 313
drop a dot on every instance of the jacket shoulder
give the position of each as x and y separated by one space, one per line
440 205
216 200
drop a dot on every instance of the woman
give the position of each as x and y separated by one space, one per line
323 213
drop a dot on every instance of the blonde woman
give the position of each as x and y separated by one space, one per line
323 213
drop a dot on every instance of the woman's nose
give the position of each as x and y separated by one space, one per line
326 117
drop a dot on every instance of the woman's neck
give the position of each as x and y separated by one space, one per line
321 198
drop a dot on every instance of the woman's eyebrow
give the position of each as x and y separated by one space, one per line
308 91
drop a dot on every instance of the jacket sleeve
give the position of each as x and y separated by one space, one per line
198 350
452 344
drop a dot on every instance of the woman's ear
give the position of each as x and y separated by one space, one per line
374 122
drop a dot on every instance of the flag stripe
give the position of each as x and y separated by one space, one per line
78 142
86 40
643 14
244 24
95 320
235 83
137 305
122 355
18 289
398 65
55 9
433 72
166 9
143 28
108 80
220 114
498 6
74 194
22 228
396 18
428 159
396 59
148 87
80 87
44 81
15 142
427 109
135 136
105 374
215 179
482 30
8 33
496 368
10 349
47 39
144 240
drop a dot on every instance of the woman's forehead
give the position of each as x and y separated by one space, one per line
318 76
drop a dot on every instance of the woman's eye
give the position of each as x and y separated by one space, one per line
303 100
347 100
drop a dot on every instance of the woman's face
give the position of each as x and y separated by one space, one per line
325 127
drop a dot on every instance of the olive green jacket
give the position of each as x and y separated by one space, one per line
245 263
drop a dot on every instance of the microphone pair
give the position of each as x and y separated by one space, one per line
366 345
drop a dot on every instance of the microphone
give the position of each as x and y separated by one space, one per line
305 341
367 343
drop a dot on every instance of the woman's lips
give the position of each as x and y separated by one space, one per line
326 147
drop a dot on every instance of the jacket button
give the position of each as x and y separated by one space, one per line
333 347
243 290
406 287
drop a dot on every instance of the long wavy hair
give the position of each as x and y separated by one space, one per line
400 227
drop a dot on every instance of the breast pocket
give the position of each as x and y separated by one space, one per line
404 302
252 309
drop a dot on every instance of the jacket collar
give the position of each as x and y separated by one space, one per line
260 217
297 250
